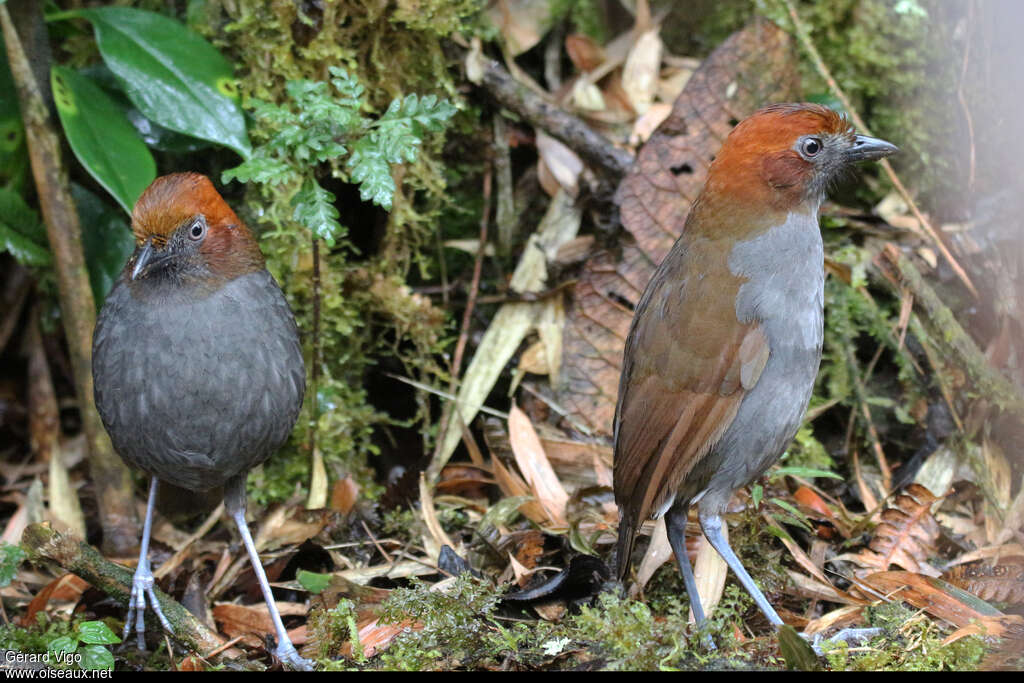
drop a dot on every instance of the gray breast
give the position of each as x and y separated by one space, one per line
784 291
197 390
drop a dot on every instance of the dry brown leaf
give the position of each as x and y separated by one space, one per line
1000 580
563 163
253 622
289 526
752 67
933 595
512 485
536 469
584 52
709 571
905 537
813 502
438 538
344 494
843 617
66 588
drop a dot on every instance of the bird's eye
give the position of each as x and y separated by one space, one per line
810 147
198 229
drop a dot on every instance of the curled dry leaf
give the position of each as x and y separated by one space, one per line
754 66
998 580
905 537
563 163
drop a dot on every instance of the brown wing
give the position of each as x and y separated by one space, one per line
688 363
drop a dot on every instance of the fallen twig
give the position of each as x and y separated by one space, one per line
43 543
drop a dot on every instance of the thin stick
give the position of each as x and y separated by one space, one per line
819 63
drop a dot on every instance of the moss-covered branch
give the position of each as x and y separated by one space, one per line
947 332
44 544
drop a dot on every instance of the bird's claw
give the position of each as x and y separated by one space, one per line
287 653
142 585
851 636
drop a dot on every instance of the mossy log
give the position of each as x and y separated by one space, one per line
44 544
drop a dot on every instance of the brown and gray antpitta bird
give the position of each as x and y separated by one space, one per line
725 343
196 363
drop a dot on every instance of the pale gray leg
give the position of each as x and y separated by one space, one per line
234 501
675 525
711 523
142 582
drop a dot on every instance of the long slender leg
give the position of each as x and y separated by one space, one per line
711 523
675 525
234 501
142 582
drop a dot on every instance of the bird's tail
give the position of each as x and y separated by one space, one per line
624 547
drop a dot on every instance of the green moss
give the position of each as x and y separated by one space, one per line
457 629
910 642
366 310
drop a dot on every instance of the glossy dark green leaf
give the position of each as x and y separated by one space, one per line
101 138
96 633
106 240
172 74
22 234
96 658
152 133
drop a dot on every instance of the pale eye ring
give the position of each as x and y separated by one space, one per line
810 147
197 230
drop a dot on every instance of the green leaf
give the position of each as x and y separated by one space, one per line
96 658
172 74
370 169
11 556
101 138
314 208
804 472
63 644
799 518
106 240
756 495
25 251
313 582
96 633
21 217
259 169
22 234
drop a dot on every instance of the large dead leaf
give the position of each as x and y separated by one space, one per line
999 580
938 598
752 68
905 537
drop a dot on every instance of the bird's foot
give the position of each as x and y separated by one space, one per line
142 585
851 636
287 653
